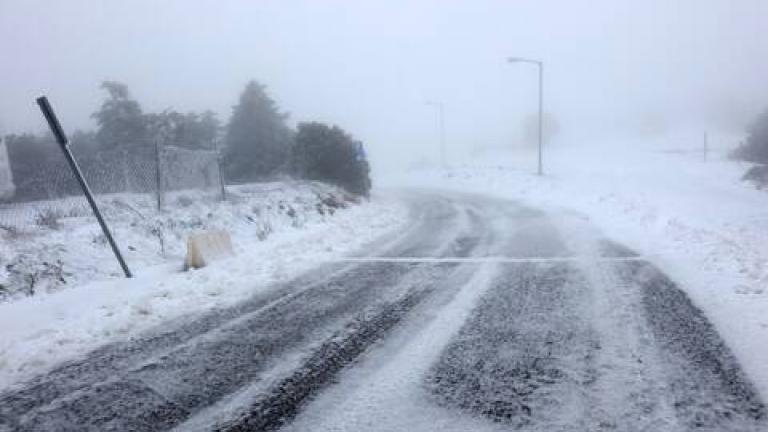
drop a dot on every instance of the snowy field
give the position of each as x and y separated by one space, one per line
80 300
693 218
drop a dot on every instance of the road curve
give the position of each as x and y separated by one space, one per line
560 330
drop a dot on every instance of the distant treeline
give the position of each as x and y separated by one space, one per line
755 150
256 144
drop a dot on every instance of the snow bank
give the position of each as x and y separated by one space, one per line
279 230
51 245
692 217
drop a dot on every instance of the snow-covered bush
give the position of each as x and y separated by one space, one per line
48 218
33 271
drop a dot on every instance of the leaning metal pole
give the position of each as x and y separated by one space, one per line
61 138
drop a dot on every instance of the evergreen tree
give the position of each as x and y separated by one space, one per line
121 124
257 141
327 153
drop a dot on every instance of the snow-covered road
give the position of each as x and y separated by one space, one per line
517 319
595 339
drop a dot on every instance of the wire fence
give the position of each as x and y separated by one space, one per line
52 188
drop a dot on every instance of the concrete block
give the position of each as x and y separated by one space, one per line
206 247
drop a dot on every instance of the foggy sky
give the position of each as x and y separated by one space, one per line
370 66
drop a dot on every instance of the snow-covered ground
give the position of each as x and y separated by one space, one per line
693 218
279 230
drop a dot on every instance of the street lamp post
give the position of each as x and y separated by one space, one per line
441 124
541 101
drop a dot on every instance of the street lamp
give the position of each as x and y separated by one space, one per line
541 99
441 124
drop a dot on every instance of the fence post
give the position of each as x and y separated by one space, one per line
127 187
218 168
58 133
158 174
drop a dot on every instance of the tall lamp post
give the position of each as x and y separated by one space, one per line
541 100
441 124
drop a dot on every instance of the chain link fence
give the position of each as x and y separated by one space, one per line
53 190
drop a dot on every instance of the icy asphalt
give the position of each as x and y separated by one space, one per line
483 315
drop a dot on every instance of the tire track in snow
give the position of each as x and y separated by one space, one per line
709 390
524 355
282 401
633 354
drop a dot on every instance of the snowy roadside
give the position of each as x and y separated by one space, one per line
694 219
44 329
